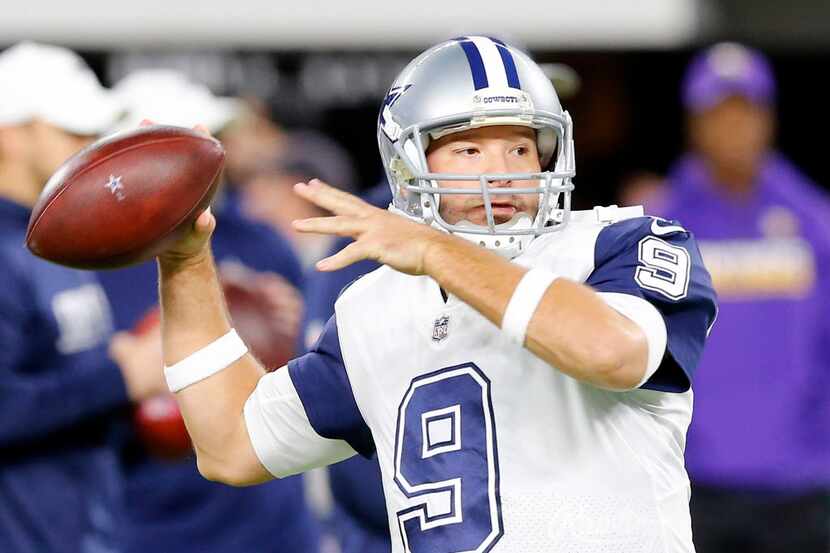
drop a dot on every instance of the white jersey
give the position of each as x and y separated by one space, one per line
483 446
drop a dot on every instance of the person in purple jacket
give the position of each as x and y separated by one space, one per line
758 449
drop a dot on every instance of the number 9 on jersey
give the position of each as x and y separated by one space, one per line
446 463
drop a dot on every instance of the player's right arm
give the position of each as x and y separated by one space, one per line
193 316
248 426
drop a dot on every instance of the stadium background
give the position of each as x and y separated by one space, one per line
327 65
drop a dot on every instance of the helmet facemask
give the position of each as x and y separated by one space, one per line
466 83
418 195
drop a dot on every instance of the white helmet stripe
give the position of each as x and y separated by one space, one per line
493 64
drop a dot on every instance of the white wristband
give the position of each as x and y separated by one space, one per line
523 303
205 362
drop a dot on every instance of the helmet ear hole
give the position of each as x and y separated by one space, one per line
426 140
546 143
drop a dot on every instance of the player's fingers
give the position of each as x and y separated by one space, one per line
330 198
339 225
202 129
205 222
352 253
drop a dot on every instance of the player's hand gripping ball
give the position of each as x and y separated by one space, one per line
125 198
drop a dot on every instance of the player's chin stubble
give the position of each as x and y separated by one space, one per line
475 213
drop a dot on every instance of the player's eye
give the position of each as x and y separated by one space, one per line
467 151
522 150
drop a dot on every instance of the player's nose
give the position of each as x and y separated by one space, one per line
498 163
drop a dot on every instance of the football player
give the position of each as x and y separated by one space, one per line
358 515
521 371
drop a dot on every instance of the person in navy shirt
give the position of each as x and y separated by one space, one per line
60 481
170 507
759 445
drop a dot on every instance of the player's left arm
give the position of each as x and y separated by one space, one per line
573 328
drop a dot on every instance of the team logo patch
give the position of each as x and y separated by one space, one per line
501 98
663 227
116 187
387 123
440 328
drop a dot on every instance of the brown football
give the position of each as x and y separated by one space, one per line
125 198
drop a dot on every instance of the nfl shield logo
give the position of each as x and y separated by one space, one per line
440 328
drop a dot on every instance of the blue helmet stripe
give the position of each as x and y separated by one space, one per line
476 63
509 64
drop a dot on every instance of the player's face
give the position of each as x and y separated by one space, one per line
496 149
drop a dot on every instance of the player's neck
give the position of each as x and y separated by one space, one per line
18 185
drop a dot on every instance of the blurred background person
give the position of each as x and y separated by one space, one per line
170 507
643 188
758 449
269 192
251 139
60 483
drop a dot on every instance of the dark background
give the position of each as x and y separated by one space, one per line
627 112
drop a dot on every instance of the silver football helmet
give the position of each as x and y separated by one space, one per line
466 83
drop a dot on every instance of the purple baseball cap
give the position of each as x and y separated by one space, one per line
727 69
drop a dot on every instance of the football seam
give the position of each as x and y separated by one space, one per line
107 158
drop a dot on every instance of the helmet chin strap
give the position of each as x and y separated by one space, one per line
507 246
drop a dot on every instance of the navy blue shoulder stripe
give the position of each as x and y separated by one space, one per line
325 391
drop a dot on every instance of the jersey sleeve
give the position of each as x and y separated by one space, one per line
650 321
305 416
659 262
